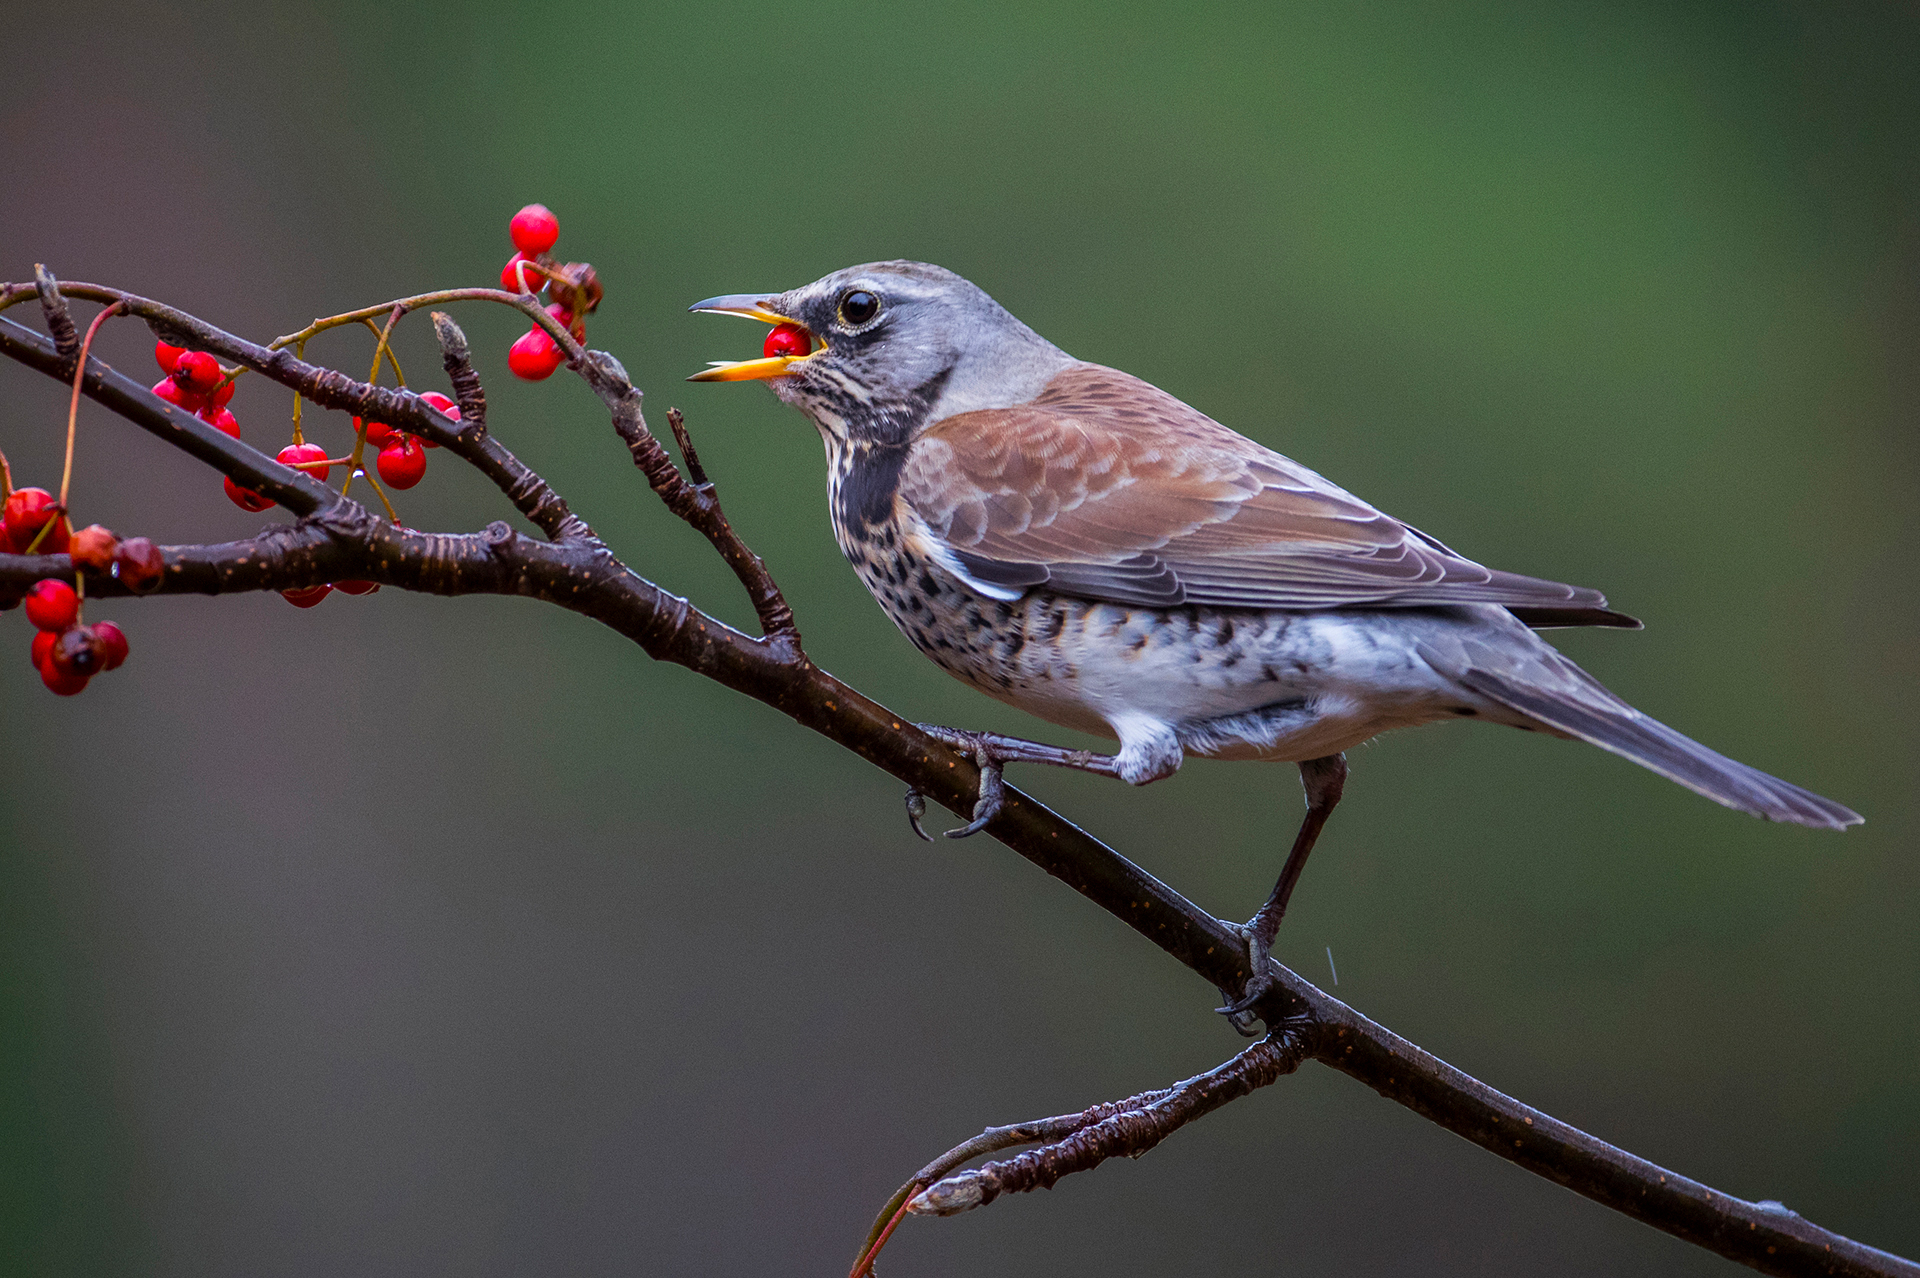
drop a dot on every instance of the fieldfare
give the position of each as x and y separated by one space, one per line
1082 545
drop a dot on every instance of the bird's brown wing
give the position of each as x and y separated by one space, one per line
1105 487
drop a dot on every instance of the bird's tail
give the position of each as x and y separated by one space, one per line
1613 725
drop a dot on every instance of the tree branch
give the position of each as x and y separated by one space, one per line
335 538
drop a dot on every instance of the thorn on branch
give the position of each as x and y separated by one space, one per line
66 338
695 471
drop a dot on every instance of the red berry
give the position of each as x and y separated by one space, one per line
93 547
198 373
167 356
113 644
306 598
402 462
43 641
442 405
246 498
293 453
534 229
62 685
220 419
26 512
356 587
535 357
787 339
379 434
138 564
168 389
78 652
221 395
52 605
510 275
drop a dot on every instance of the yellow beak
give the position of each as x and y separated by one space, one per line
749 306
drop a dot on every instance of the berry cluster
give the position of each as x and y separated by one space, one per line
574 288
67 652
195 381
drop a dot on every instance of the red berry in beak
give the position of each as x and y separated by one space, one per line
789 340
246 498
113 644
402 463
139 564
306 598
303 456
52 605
534 229
535 357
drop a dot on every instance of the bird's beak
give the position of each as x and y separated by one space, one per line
750 306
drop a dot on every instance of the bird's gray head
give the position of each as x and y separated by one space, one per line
890 346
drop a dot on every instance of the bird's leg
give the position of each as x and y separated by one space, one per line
1323 780
992 752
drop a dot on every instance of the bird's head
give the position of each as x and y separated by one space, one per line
883 348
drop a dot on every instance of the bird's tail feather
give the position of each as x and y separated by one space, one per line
1651 744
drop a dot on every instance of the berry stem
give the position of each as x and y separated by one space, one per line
534 311
299 352
373 379
73 405
384 349
392 516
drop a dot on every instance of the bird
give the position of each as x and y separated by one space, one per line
1082 545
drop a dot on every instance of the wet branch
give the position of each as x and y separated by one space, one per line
334 538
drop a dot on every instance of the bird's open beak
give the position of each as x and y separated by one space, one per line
751 306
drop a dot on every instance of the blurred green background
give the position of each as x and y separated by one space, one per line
414 936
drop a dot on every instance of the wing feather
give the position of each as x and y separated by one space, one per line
1108 488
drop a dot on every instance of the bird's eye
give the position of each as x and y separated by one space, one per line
857 307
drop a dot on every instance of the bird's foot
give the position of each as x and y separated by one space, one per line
992 752
1240 1011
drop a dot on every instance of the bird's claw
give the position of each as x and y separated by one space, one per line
993 788
993 793
1240 1011
917 808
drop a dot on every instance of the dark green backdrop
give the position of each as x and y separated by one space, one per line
411 936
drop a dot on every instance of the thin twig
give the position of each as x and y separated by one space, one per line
695 471
73 404
697 504
1131 1131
